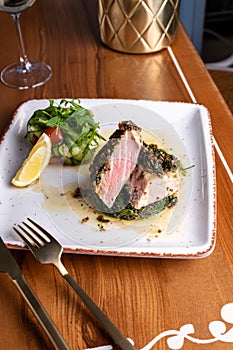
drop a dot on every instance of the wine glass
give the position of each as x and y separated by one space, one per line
25 74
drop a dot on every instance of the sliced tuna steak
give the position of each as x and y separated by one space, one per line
155 177
130 179
150 187
113 165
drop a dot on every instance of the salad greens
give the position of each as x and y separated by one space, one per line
71 127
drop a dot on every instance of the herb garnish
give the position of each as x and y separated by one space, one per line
71 127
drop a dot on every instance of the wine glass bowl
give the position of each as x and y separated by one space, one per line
15 6
24 74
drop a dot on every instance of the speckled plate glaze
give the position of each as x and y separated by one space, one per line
188 231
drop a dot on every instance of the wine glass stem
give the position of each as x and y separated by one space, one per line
25 65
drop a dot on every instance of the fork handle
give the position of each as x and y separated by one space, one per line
106 323
40 313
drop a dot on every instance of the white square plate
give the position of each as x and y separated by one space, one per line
190 231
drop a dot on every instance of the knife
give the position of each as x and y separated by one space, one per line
12 269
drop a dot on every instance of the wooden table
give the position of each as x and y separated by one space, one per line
143 297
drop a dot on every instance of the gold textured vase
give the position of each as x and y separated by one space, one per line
138 26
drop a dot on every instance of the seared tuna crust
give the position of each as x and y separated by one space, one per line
130 179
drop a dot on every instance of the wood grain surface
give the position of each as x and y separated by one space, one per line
143 297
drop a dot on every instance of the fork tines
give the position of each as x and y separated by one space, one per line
33 234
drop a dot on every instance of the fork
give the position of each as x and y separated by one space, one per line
9 266
47 250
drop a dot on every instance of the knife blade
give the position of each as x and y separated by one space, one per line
9 266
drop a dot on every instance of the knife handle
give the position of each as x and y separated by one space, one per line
40 313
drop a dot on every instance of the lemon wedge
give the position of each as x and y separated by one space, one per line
36 162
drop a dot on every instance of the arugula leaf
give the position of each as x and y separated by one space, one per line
183 170
77 124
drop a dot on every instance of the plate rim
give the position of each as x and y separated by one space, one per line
207 248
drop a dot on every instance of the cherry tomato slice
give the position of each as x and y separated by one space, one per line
34 139
55 160
55 134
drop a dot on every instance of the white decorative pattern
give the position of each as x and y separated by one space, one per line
175 339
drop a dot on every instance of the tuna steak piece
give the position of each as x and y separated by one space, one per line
115 162
155 177
151 187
